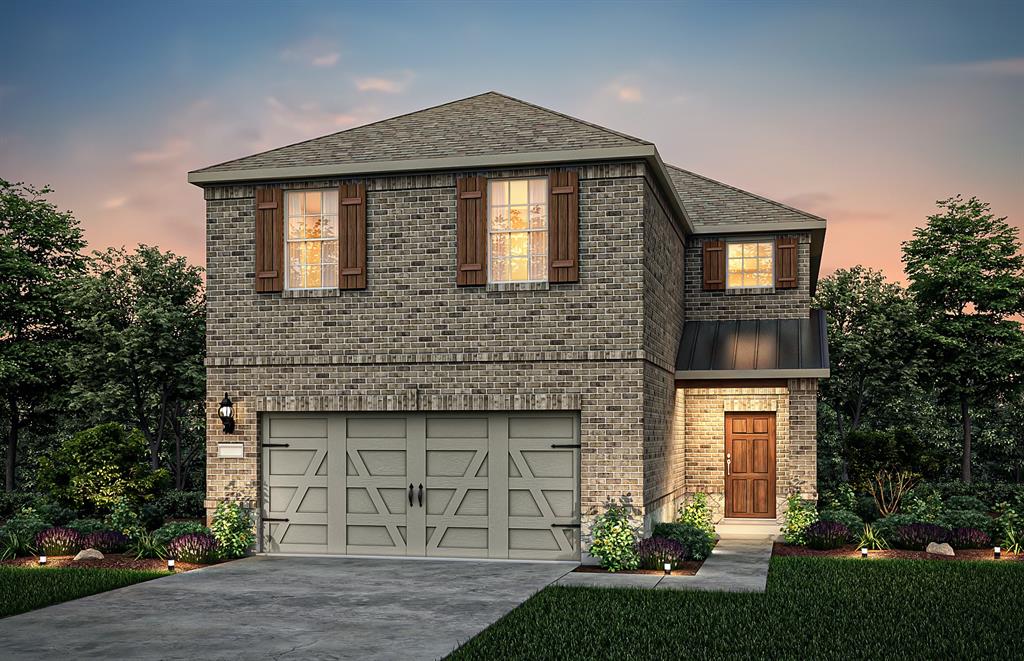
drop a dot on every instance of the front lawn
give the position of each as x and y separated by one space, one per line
23 589
814 608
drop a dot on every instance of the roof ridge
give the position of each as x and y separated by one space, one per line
351 128
746 192
570 117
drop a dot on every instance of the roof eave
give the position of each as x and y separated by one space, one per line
685 375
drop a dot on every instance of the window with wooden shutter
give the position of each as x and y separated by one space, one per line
269 239
471 231
786 262
352 235
714 265
564 226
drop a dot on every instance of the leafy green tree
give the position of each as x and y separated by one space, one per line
97 468
966 273
39 262
873 338
141 345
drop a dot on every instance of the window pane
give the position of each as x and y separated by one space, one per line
330 275
499 245
735 266
538 268
330 203
295 276
294 204
313 204
735 250
498 193
764 249
538 243
518 269
538 191
517 192
329 226
517 244
312 227
764 280
329 251
294 254
764 266
538 216
499 270
313 252
312 276
499 219
295 228
518 218
750 250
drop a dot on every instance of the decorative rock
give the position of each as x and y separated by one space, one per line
89 554
939 549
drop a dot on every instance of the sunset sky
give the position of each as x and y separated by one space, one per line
865 113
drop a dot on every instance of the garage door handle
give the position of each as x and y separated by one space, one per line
267 519
421 495
410 494
565 525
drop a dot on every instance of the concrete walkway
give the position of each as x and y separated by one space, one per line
284 608
736 565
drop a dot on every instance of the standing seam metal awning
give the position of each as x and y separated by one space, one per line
754 348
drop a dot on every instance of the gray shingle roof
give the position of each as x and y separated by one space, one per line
710 203
724 347
489 123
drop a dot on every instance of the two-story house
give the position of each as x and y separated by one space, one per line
462 331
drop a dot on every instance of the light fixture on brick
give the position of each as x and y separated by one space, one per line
227 414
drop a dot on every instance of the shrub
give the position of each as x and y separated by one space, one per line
697 513
164 534
917 536
125 519
842 498
1013 541
86 526
52 511
967 519
232 527
614 539
192 547
825 535
969 538
26 524
13 545
97 467
800 514
926 507
145 545
654 552
12 502
866 508
852 522
872 540
174 504
58 541
697 541
886 526
966 503
106 541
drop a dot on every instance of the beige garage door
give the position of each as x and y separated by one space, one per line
487 485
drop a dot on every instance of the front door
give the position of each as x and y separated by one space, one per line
750 465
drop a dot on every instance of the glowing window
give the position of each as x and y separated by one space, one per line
311 239
518 228
750 264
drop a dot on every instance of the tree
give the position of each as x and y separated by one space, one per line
966 273
141 345
873 343
39 262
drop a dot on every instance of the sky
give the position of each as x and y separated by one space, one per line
864 113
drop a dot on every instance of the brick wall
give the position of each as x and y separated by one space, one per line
771 304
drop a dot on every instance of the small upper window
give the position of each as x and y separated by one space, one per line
311 239
518 228
750 264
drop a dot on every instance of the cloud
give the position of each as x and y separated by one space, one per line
392 85
309 118
170 149
326 60
115 202
624 92
1011 66
314 52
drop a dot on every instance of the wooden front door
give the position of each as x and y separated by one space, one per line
750 465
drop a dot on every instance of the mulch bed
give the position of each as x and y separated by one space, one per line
853 551
110 561
688 568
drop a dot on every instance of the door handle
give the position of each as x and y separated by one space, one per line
728 464
410 494
420 495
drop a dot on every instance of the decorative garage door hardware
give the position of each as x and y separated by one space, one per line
486 485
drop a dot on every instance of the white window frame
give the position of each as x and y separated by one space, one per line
288 240
771 256
529 230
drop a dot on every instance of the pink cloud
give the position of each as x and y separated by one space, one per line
1011 66
325 60
171 148
392 85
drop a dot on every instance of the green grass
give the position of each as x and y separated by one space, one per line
814 608
28 588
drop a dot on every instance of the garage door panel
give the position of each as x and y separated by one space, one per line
295 485
542 427
451 428
549 463
282 429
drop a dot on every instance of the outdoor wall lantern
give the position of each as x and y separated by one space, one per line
227 414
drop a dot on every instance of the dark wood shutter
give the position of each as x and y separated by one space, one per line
352 235
269 239
563 226
786 262
714 265
471 231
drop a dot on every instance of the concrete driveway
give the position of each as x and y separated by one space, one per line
284 608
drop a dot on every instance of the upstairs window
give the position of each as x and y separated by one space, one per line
311 239
518 230
749 264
